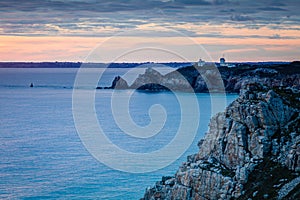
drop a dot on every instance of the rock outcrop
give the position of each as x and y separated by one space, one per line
208 78
118 83
251 151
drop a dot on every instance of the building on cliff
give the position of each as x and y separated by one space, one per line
223 63
200 63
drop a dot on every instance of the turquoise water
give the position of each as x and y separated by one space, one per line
41 154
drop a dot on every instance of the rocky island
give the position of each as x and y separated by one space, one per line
251 151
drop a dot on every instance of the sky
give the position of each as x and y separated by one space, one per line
149 30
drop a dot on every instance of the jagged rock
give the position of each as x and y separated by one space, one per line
151 76
153 87
119 83
265 71
293 156
212 79
260 128
287 188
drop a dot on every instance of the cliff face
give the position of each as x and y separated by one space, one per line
258 135
210 78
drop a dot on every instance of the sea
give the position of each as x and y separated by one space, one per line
42 151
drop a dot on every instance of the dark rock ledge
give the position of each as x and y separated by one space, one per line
251 151
208 78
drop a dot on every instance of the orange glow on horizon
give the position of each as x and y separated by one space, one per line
54 48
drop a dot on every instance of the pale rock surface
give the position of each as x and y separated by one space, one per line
259 125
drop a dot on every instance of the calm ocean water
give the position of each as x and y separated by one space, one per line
41 154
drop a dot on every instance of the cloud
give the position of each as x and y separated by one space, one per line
240 50
106 18
278 36
280 4
193 2
239 17
272 9
220 2
275 36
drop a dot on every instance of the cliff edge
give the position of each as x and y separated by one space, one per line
208 78
251 151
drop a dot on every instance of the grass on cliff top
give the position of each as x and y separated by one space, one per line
285 69
263 179
288 69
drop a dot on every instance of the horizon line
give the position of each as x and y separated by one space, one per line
151 62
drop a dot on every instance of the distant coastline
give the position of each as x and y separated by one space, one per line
88 65
111 65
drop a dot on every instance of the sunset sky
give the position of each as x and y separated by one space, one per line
72 30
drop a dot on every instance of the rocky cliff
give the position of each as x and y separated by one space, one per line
251 151
212 79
